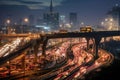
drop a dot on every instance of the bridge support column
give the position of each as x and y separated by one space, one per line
23 61
104 39
36 47
44 46
88 46
0 41
9 68
97 41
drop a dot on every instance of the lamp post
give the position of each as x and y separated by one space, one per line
8 26
26 22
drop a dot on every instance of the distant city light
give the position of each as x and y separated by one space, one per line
47 28
39 26
82 23
61 25
62 17
44 27
111 19
102 23
116 4
106 19
68 25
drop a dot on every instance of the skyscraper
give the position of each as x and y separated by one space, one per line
52 18
73 20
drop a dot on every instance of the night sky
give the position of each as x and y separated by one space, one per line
91 12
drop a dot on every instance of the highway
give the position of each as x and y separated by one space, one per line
70 66
56 60
81 58
81 64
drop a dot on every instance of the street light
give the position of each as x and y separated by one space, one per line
26 20
8 21
8 26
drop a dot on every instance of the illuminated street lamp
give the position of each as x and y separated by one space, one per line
26 20
8 26
8 21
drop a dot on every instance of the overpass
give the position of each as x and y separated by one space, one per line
96 35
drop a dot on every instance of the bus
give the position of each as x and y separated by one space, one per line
86 29
63 31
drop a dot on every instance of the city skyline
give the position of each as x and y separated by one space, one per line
90 12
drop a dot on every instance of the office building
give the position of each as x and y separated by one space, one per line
73 20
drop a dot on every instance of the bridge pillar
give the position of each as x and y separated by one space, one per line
44 46
105 39
88 46
36 47
0 41
23 61
97 41
9 67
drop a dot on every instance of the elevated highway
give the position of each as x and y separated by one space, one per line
96 35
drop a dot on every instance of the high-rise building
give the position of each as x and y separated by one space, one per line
51 18
113 18
73 20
